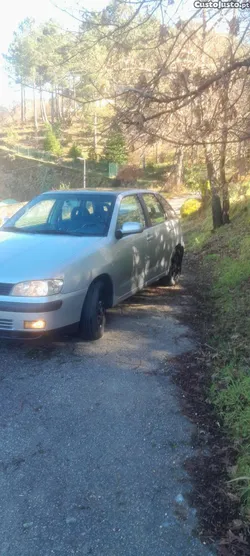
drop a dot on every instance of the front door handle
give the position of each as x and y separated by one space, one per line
150 237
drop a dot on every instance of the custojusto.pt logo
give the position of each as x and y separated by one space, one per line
220 4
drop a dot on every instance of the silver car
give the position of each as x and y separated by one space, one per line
67 256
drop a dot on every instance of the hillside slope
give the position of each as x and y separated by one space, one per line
223 273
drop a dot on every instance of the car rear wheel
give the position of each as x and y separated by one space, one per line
174 272
93 319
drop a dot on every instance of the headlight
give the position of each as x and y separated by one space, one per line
37 288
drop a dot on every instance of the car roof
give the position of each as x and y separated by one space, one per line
115 192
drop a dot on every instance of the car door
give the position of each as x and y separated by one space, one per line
129 251
176 236
159 236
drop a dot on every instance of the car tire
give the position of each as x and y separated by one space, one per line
92 323
173 276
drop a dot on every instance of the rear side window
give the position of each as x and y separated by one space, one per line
68 207
154 208
130 211
167 208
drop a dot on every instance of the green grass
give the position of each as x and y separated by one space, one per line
230 394
225 259
198 230
231 273
211 257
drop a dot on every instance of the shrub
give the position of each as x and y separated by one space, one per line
196 178
62 187
51 143
57 130
11 137
150 166
189 207
75 151
129 174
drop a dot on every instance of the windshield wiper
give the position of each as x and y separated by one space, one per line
10 229
48 232
27 231
58 232
45 232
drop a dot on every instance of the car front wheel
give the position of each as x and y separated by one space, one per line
93 319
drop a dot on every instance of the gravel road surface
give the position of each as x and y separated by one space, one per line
93 440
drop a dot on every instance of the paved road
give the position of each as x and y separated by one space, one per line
93 440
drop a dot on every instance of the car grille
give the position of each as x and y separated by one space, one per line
6 324
5 289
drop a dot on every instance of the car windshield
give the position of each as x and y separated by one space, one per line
85 214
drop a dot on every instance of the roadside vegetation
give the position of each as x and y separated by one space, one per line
133 83
224 274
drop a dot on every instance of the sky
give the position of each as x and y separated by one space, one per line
41 10
16 11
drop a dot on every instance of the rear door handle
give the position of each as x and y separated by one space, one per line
150 237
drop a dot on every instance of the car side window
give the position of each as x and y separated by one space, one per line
130 211
168 209
155 210
67 208
90 207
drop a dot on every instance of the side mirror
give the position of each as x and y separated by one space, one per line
129 228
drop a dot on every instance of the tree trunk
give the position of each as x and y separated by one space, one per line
59 106
45 113
223 181
223 151
241 162
194 154
62 107
179 166
216 203
41 105
35 108
225 208
22 105
74 95
52 108
43 108
95 133
156 154
239 150
55 105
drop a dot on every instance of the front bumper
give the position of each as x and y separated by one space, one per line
58 313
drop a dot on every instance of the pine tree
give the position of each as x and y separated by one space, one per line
115 150
51 143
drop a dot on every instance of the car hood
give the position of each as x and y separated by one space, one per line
36 256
